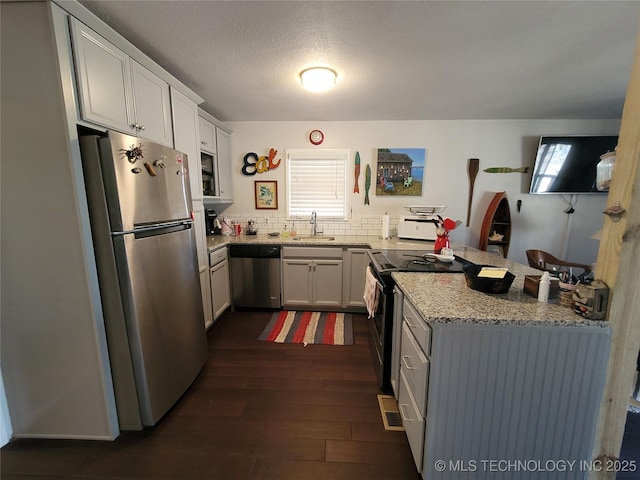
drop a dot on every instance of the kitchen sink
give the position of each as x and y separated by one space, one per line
314 237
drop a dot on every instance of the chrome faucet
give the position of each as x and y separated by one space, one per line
314 222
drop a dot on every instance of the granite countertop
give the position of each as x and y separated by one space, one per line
445 298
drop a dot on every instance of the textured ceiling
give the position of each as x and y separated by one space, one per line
396 60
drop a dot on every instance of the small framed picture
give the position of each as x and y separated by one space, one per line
266 195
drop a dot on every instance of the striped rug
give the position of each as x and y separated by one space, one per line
309 327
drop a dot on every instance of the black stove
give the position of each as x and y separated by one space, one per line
387 261
383 263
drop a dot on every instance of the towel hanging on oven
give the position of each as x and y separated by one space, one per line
370 292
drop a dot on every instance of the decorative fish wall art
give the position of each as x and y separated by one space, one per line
506 170
356 189
367 184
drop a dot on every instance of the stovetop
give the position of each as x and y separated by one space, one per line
387 261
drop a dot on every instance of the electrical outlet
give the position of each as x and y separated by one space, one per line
266 221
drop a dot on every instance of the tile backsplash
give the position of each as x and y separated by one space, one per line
369 225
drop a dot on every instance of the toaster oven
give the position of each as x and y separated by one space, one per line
417 227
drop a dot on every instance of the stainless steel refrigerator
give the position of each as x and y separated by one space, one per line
143 235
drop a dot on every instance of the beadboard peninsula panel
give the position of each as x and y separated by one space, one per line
517 393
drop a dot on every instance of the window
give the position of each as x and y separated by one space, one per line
317 180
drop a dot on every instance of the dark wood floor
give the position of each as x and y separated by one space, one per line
257 411
630 452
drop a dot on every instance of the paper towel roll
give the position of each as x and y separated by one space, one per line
385 226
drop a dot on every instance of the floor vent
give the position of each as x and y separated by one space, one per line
390 414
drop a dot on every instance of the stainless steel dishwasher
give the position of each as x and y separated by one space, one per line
255 275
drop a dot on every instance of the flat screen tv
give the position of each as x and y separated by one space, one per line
567 164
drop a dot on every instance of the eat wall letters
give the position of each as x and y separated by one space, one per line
254 164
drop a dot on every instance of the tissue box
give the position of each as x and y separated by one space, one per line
532 283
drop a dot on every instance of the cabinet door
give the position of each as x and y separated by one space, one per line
412 421
417 326
207 136
415 366
205 287
201 234
223 142
398 297
152 105
354 276
105 87
220 293
327 283
296 282
185 137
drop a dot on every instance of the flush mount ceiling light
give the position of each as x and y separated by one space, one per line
318 79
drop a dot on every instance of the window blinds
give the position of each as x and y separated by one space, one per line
316 180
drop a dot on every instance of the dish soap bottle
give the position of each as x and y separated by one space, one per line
543 288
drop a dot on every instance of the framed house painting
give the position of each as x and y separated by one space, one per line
266 193
399 171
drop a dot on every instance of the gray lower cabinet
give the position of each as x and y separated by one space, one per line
355 268
220 289
413 375
398 299
472 395
205 291
312 277
412 420
203 263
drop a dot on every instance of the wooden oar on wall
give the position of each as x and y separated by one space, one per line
474 166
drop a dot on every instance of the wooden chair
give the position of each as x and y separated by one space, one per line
545 261
386 185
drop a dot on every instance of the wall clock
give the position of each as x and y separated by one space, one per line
316 137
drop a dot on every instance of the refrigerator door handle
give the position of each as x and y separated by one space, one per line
155 226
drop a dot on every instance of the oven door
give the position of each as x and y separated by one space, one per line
380 329
378 320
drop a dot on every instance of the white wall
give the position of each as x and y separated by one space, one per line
541 223
53 346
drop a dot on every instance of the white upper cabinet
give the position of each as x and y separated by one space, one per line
152 105
99 65
207 136
116 92
215 156
185 135
223 142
